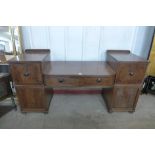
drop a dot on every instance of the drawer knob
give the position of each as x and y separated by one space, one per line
131 73
98 80
61 80
26 74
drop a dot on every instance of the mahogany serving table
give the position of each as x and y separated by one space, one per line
120 76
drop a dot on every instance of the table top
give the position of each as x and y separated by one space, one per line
77 68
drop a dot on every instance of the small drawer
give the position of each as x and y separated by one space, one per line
61 81
97 81
130 73
26 73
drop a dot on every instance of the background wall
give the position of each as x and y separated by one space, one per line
87 43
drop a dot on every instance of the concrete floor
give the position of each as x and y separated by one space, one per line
83 112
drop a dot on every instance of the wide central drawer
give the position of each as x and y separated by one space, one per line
61 81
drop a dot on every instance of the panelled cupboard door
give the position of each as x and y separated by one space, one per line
125 96
31 97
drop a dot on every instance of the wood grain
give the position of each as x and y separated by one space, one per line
27 73
130 71
121 77
77 68
33 98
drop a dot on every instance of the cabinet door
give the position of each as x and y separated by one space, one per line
125 96
31 97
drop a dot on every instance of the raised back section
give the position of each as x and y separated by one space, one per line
125 56
37 51
115 58
118 51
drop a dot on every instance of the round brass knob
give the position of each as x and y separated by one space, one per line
131 73
98 80
26 74
61 80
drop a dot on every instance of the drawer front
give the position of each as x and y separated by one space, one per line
97 81
61 81
26 73
79 81
130 73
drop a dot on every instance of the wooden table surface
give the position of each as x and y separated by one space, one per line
77 68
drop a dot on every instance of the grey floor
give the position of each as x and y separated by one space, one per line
83 112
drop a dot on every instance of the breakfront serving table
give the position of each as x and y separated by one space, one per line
120 76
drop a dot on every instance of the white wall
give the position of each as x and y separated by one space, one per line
87 43
142 40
